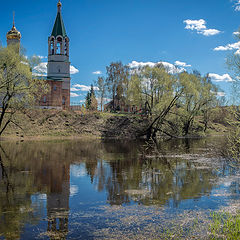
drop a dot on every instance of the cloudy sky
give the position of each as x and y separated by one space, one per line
182 34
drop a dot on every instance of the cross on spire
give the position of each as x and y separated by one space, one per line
59 5
13 19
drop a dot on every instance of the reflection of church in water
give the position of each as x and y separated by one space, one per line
58 200
58 67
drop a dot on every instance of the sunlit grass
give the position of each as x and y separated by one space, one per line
225 226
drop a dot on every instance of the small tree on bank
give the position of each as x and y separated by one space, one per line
18 89
91 101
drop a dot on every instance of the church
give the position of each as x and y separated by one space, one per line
58 67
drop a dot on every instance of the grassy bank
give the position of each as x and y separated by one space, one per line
47 124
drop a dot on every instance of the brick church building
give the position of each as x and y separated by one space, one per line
58 67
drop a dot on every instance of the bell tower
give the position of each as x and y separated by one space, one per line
58 68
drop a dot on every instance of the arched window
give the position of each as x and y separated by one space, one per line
59 45
66 49
52 46
54 88
44 99
63 101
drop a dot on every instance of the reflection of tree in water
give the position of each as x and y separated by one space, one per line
16 187
150 180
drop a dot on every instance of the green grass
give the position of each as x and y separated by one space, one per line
225 226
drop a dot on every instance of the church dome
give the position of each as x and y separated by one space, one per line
14 34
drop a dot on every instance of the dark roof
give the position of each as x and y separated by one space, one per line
59 28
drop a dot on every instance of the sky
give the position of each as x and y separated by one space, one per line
183 34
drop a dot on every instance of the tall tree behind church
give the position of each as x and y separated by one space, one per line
117 81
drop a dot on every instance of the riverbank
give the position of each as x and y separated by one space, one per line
55 124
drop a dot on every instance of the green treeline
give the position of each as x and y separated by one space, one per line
171 100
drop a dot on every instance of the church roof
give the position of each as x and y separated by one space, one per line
59 28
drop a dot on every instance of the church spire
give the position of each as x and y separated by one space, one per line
59 28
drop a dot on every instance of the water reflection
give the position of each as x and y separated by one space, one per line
117 169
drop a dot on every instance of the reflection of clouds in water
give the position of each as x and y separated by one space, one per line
78 170
39 197
73 190
227 183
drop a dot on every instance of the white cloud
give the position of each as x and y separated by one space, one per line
97 72
83 88
221 94
74 94
228 47
73 70
41 57
42 69
200 27
236 33
237 52
237 5
104 100
25 63
220 78
210 32
172 69
195 24
182 64
73 89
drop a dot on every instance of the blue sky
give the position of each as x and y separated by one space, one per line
131 30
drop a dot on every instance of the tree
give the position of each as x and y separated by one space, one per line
91 101
172 100
18 88
88 101
101 90
233 63
151 88
198 96
117 81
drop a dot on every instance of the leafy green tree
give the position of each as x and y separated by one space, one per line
18 88
91 101
172 100
198 96
151 88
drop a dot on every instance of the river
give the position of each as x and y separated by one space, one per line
92 189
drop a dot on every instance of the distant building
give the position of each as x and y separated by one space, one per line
120 105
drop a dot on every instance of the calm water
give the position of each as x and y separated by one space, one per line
107 190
